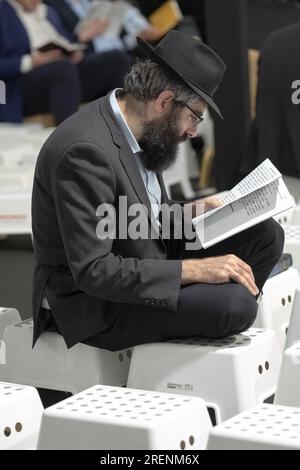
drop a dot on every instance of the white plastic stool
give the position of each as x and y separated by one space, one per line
15 210
293 186
276 302
292 243
288 389
293 334
52 366
8 316
285 217
296 216
231 375
20 417
109 418
265 427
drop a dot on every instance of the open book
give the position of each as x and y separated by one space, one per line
115 12
65 46
259 196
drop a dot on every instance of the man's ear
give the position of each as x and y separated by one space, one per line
163 101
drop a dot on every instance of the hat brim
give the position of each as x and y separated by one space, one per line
149 51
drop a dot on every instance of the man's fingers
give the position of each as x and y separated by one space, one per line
245 280
242 265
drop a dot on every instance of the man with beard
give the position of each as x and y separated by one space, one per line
117 291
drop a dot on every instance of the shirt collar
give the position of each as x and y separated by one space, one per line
122 123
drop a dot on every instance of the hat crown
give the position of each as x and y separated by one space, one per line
192 59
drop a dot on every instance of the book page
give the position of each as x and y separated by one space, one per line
103 10
264 174
243 213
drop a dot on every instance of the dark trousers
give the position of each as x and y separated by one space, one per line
204 310
100 73
54 87
60 86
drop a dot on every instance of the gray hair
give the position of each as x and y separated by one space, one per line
146 80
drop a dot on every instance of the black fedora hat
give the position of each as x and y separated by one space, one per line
189 60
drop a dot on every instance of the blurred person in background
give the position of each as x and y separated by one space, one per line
134 24
38 82
275 132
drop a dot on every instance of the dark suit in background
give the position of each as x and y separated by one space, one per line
275 132
115 293
54 86
58 86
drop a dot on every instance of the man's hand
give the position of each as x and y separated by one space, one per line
43 58
153 33
93 29
219 270
76 57
200 206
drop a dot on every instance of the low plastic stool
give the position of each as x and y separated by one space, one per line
119 418
51 365
293 333
286 217
265 427
292 243
230 375
276 302
15 209
8 316
20 417
288 389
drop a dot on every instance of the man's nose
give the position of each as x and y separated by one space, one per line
192 131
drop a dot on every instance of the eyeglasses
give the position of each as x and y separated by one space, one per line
197 119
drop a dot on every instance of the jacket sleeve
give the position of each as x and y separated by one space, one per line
84 180
10 67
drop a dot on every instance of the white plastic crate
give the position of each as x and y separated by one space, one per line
110 418
20 417
52 366
265 427
231 375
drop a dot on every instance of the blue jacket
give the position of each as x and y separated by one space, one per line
14 43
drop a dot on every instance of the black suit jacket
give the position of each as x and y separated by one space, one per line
88 282
275 132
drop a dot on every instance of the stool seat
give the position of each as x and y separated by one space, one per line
20 417
230 375
265 427
51 365
110 418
